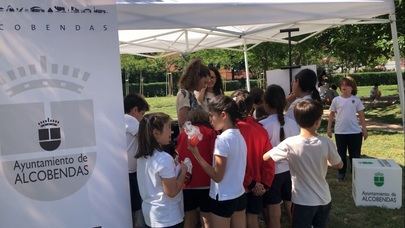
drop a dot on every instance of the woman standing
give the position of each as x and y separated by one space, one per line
194 78
213 88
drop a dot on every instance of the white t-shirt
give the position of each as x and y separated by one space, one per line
207 99
308 159
346 121
290 111
230 144
158 209
272 127
322 89
131 127
185 99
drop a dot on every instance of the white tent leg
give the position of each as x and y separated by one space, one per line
398 66
246 66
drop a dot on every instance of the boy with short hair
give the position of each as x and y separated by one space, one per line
135 107
308 155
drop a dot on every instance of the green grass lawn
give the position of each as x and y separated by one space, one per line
386 90
163 104
380 144
168 104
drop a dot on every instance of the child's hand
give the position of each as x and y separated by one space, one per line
192 149
183 167
259 189
329 132
365 134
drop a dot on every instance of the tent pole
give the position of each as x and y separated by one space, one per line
187 44
246 65
398 66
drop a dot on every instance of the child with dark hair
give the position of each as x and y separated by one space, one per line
227 194
196 193
330 94
303 88
308 155
259 174
256 95
212 89
135 107
160 180
348 132
242 93
194 78
278 128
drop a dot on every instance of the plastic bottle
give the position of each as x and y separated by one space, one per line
189 165
193 133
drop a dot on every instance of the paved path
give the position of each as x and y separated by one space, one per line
373 124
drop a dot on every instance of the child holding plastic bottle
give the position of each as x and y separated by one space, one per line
227 194
197 132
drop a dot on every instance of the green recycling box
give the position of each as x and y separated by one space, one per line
377 182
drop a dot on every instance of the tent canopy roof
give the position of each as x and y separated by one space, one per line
169 26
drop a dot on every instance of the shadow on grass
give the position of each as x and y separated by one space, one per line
345 214
384 113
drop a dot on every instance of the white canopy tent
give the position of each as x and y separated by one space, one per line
183 26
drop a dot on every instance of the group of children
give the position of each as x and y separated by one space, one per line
241 167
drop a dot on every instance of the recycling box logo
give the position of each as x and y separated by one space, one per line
379 179
47 148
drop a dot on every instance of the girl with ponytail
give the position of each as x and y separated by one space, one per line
227 194
303 88
259 174
278 128
160 180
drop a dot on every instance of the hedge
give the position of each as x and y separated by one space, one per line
362 79
158 89
369 78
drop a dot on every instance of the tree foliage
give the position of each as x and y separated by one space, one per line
346 47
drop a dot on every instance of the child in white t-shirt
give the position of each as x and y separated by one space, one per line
303 88
228 200
135 107
278 128
308 155
348 132
160 180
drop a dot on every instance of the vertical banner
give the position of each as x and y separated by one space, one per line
62 138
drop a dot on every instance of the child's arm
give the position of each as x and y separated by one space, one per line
330 121
277 153
172 186
217 172
363 124
334 159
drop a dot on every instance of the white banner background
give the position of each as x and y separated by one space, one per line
62 66
281 77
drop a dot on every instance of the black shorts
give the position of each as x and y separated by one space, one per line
196 198
280 189
136 200
310 216
180 225
254 203
227 207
